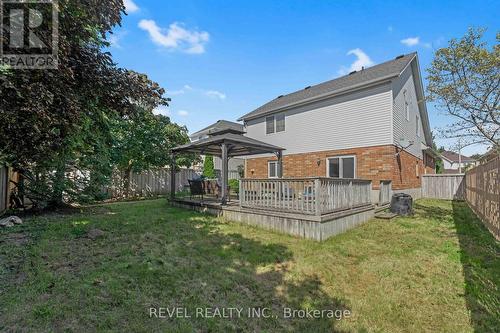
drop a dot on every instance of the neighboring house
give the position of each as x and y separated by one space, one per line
221 126
370 124
453 162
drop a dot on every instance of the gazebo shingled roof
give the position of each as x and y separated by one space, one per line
226 145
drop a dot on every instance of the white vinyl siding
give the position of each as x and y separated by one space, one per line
405 100
359 119
417 124
341 166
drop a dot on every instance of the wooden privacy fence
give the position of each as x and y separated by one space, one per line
444 186
148 183
314 196
483 194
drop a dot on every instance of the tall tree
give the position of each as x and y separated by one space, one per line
55 124
464 81
144 141
41 109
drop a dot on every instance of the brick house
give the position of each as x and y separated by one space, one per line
370 124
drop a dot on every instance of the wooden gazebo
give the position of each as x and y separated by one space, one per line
225 143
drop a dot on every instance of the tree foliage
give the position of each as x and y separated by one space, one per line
66 129
464 81
41 109
208 167
144 141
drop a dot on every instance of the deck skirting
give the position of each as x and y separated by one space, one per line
318 228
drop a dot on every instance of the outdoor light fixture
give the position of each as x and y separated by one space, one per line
318 162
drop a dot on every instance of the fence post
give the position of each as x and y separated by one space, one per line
317 196
240 192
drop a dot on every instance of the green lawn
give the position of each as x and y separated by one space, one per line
438 271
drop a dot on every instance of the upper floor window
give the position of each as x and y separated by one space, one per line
341 167
272 169
418 126
275 124
270 125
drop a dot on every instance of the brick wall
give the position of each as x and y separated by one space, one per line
374 163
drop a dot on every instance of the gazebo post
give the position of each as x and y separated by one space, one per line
172 176
224 173
280 164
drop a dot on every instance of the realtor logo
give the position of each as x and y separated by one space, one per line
29 34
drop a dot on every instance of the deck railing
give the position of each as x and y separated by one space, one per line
314 196
385 192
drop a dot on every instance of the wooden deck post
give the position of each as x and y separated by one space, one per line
172 177
224 193
280 164
317 196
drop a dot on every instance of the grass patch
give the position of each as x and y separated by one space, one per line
436 271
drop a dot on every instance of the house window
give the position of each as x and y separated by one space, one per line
280 123
272 169
341 167
270 125
418 126
407 107
275 124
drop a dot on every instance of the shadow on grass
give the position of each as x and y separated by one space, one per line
480 259
480 256
214 268
153 258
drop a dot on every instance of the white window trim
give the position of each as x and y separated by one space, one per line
269 169
274 123
341 171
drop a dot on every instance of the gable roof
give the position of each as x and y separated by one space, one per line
353 80
453 157
220 126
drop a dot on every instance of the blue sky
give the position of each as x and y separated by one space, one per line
222 59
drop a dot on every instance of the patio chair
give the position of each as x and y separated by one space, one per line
195 188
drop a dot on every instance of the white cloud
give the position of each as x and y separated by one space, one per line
182 113
162 109
414 41
130 6
114 39
362 60
215 94
176 37
410 41
188 87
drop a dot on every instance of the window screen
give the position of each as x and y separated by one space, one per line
334 167
272 170
269 125
280 123
348 167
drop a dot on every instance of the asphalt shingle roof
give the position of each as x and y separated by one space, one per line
372 74
219 126
451 156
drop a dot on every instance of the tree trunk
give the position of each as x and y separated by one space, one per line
126 180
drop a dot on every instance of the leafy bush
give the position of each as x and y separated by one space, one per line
234 185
